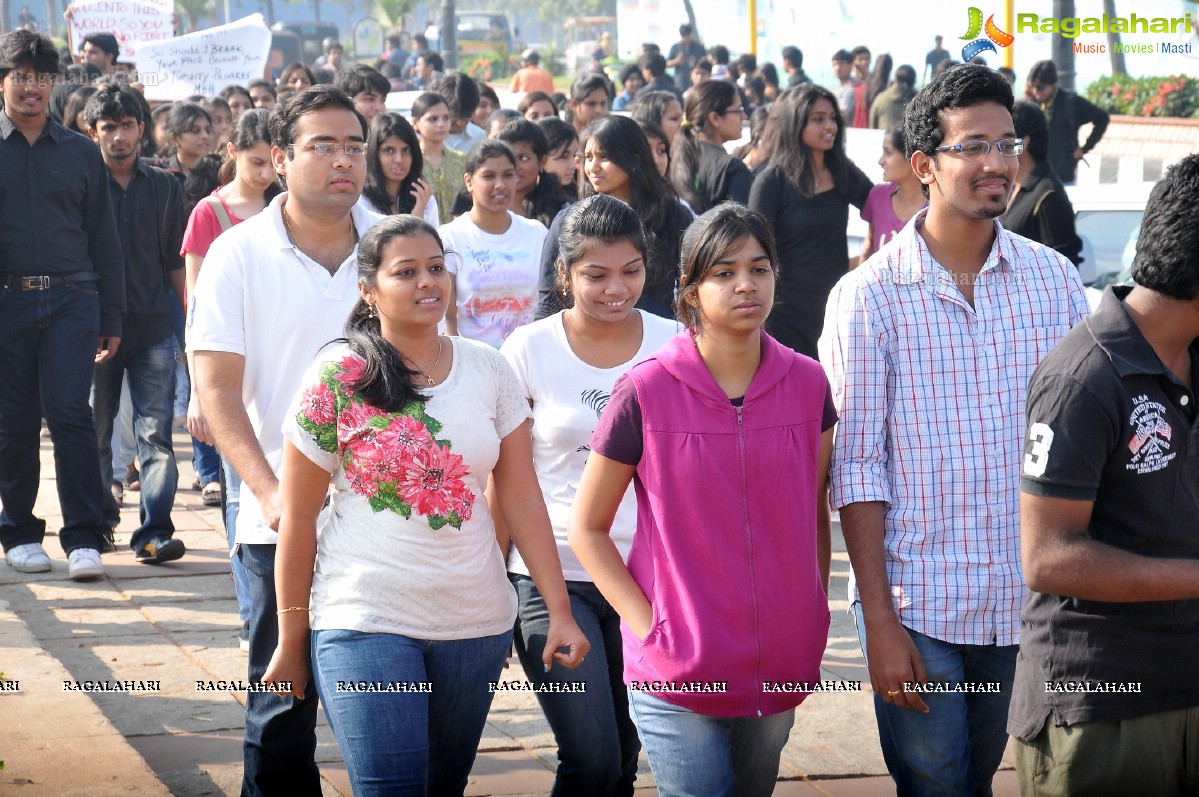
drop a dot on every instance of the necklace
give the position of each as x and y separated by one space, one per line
291 236
429 381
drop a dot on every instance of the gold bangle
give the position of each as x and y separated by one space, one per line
292 609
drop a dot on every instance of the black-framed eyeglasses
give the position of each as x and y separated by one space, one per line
1008 147
326 149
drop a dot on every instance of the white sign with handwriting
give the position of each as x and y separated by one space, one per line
205 62
133 23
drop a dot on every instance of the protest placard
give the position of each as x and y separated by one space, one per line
206 61
132 22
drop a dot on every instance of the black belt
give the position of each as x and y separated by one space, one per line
44 282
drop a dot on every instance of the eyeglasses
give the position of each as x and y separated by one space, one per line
738 111
325 149
1008 147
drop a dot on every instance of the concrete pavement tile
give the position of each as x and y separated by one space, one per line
509 772
834 735
161 587
195 563
195 763
201 615
68 622
528 727
795 788
55 593
644 779
327 751
216 651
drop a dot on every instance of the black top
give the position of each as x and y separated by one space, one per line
721 177
1042 212
1109 424
56 213
797 78
813 250
661 276
150 222
659 84
692 53
1066 116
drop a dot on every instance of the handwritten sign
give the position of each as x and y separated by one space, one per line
205 62
131 22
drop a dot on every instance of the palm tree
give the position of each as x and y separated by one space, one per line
1109 8
393 11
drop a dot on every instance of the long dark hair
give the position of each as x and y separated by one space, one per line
708 240
559 134
251 129
546 199
707 98
386 382
599 220
784 139
879 79
383 127
652 198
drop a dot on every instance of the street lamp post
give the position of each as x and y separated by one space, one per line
449 35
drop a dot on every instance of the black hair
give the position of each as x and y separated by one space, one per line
76 103
424 102
287 114
793 56
861 49
783 137
706 98
264 84
747 62
433 59
27 49
685 29
879 78
484 150
105 41
588 83
109 102
383 127
1043 72
489 93
655 63
546 199
653 200
211 104
235 88
387 381
295 66
185 114
770 74
703 64
505 114
627 71
251 129
719 54
461 94
654 131
1030 124
652 105
709 239
898 141
1167 258
905 74
959 87
757 128
201 181
361 78
558 133
843 55
598 220
527 101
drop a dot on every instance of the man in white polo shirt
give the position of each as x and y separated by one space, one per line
273 291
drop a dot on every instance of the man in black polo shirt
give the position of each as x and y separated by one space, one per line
148 204
62 289
1107 681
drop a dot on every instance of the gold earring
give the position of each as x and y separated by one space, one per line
370 310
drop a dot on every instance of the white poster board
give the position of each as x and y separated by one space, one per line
132 22
205 62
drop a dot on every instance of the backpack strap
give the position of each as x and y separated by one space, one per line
1036 209
222 215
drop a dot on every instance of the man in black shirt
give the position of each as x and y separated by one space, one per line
1066 113
1106 681
653 68
62 288
148 204
684 54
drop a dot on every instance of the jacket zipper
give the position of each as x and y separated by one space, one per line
749 539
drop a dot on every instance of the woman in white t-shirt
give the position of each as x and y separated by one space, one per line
495 254
567 364
404 589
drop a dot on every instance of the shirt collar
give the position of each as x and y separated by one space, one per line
920 263
1117 334
140 169
52 129
363 220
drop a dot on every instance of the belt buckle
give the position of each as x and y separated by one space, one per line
41 283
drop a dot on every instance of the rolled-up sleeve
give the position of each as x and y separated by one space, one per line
853 352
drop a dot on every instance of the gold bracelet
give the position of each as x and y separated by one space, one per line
292 609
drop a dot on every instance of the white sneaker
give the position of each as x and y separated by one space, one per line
84 563
28 558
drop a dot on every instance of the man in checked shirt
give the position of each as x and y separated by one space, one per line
929 347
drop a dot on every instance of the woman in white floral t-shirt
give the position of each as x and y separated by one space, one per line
404 589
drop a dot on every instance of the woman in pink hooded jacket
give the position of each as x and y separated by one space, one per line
726 435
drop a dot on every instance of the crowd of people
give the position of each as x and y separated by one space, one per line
588 386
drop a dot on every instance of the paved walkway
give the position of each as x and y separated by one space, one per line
177 624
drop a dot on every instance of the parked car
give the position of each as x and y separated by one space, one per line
1107 218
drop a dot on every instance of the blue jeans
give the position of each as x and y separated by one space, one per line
280 741
597 741
151 374
47 356
397 744
695 755
232 486
956 748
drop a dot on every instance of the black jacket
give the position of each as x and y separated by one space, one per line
1066 116
1042 212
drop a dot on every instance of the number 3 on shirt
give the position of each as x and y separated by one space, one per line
1040 438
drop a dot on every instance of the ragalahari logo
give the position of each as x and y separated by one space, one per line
978 45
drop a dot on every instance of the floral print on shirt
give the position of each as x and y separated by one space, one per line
394 460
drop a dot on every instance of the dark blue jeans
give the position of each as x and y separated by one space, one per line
47 356
958 745
597 741
151 373
279 748
407 744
